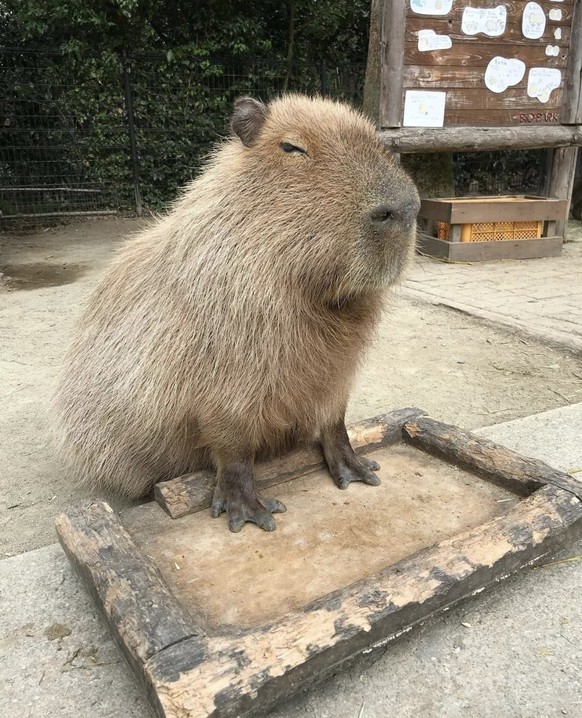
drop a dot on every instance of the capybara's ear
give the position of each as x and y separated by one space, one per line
248 118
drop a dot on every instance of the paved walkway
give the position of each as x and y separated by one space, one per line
542 297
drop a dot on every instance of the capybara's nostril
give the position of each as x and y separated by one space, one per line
400 212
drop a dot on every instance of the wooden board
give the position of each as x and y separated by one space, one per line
467 210
486 251
459 70
220 624
470 139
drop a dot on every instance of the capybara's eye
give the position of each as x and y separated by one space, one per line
288 147
382 214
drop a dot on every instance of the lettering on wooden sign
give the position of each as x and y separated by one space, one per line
538 117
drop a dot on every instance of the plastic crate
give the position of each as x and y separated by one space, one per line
494 231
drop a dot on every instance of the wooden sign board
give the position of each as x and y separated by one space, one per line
481 63
221 624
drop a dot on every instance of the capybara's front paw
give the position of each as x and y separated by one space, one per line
355 468
241 510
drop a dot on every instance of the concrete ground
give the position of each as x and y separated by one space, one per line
520 652
540 296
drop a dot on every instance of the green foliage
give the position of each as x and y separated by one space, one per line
65 108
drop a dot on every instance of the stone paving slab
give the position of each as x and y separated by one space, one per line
514 652
541 297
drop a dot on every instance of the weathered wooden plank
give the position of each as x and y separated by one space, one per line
129 590
246 674
502 118
457 211
193 492
469 139
480 54
432 246
393 19
451 26
488 251
491 460
514 98
514 9
447 78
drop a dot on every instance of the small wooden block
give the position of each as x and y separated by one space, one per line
223 625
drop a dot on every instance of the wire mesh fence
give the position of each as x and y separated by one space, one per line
501 172
113 131
50 133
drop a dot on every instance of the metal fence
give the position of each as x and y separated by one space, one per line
118 132
502 172
111 132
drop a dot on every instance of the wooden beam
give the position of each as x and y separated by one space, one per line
143 614
489 459
572 81
562 181
392 62
469 139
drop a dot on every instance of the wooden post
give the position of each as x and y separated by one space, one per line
562 181
572 93
455 233
393 20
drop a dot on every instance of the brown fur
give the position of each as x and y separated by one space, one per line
234 325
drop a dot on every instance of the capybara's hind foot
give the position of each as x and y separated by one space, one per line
343 463
240 510
355 468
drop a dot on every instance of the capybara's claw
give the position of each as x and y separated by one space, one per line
358 469
369 463
241 511
238 517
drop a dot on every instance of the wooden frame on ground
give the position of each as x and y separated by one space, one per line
189 670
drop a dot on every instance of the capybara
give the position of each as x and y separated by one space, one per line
231 328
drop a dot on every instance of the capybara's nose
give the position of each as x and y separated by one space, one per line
396 212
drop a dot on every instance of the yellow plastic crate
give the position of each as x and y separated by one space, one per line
494 231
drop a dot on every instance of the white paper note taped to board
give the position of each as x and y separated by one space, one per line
424 109
533 21
502 72
542 81
429 40
431 7
552 50
555 14
558 33
490 21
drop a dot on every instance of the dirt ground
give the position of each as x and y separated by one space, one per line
451 365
